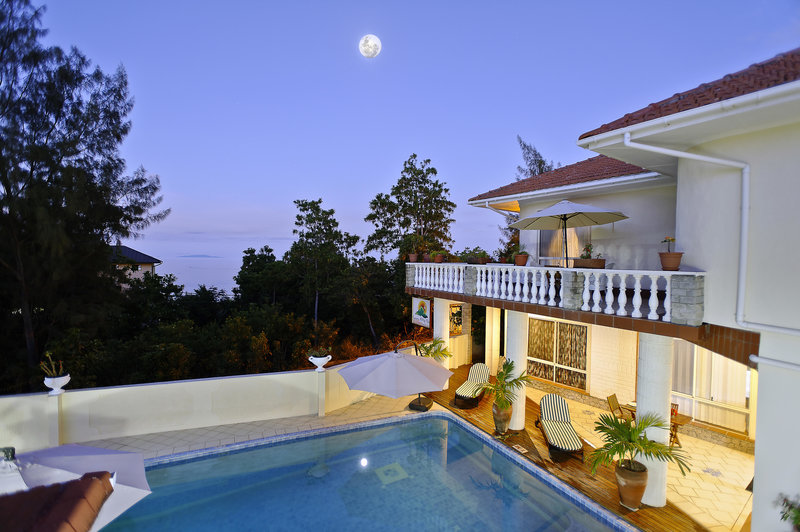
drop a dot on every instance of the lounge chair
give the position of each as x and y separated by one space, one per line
556 425
469 394
620 412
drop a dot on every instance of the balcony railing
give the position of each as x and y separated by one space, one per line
675 297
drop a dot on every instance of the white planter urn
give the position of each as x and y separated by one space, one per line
56 383
320 361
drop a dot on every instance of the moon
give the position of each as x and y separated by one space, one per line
369 45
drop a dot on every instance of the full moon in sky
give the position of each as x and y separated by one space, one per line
369 45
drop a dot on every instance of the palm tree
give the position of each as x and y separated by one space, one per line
505 387
625 440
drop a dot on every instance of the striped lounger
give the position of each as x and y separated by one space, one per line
556 425
469 394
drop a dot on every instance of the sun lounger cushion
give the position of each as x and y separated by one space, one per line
556 424
470 393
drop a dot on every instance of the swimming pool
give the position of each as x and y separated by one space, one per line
424 472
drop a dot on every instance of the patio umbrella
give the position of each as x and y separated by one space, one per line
566 214
67 462
396 374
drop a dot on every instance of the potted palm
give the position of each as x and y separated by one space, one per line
55 376
625 440
670 260
504 389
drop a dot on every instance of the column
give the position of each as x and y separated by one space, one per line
441 327
517 351
653 383
492 339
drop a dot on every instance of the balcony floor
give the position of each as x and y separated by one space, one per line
711 497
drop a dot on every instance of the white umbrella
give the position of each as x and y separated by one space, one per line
566 214
395 374
67 462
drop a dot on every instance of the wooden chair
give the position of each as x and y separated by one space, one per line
618 411
673 428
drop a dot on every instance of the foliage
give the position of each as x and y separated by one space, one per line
790 509
668 240
472 253
587 252
626 439
506 386
261 278
535 164
319 353
435 349
50 368
63 192
418 205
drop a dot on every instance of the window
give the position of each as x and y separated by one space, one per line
557 352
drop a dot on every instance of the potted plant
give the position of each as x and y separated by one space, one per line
625 440
587 261
55 376
504 388
670 260
319 357
439 255
411 245
790 509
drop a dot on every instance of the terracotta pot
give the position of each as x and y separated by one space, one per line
412 257
483 260
631 485
426 257
502 260
589 263
438 258
670 261
520 260
501 418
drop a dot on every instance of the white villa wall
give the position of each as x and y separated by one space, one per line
631 244
613 363
100 413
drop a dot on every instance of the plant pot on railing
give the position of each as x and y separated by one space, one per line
56 383
521 259
412 257
589 263
426 257
438 258
670 261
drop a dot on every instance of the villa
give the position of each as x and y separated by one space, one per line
714 167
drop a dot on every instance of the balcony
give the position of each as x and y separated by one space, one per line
669 297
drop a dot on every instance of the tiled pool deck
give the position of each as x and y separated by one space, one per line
713 493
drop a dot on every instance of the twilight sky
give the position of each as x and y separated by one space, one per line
243 107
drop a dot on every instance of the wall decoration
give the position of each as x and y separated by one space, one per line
421 312
456 320
557 352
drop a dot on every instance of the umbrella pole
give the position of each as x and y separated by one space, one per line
566 259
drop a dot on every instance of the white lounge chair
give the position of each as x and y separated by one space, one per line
469 394
555 423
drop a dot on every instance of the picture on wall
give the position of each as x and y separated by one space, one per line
421 312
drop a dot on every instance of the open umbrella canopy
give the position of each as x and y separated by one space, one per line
566 214
67 462
395 374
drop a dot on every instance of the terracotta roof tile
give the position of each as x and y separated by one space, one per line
783 68
600 167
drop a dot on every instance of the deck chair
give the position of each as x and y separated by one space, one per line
618 411
556 425
469 394
673 428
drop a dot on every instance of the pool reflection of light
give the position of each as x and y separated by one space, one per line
364 462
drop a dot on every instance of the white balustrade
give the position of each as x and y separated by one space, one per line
537 285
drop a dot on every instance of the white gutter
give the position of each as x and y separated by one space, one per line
743 226
772 362
498 211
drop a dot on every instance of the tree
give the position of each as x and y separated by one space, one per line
63 193
415 215
260 278
321 253
535 165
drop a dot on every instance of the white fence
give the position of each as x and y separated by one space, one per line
445 277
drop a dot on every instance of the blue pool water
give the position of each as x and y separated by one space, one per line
431 473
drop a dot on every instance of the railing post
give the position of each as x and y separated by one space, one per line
623 295
653 302
637 296
609 293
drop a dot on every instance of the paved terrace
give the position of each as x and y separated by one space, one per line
711 497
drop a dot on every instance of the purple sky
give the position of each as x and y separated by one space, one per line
243 107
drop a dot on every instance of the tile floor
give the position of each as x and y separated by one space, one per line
712 493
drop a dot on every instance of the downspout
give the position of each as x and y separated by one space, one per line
743 225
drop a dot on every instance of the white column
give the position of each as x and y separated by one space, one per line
653 383
517 351
492 349
441 327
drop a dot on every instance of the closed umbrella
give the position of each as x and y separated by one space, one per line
566 214
396 374
67 462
